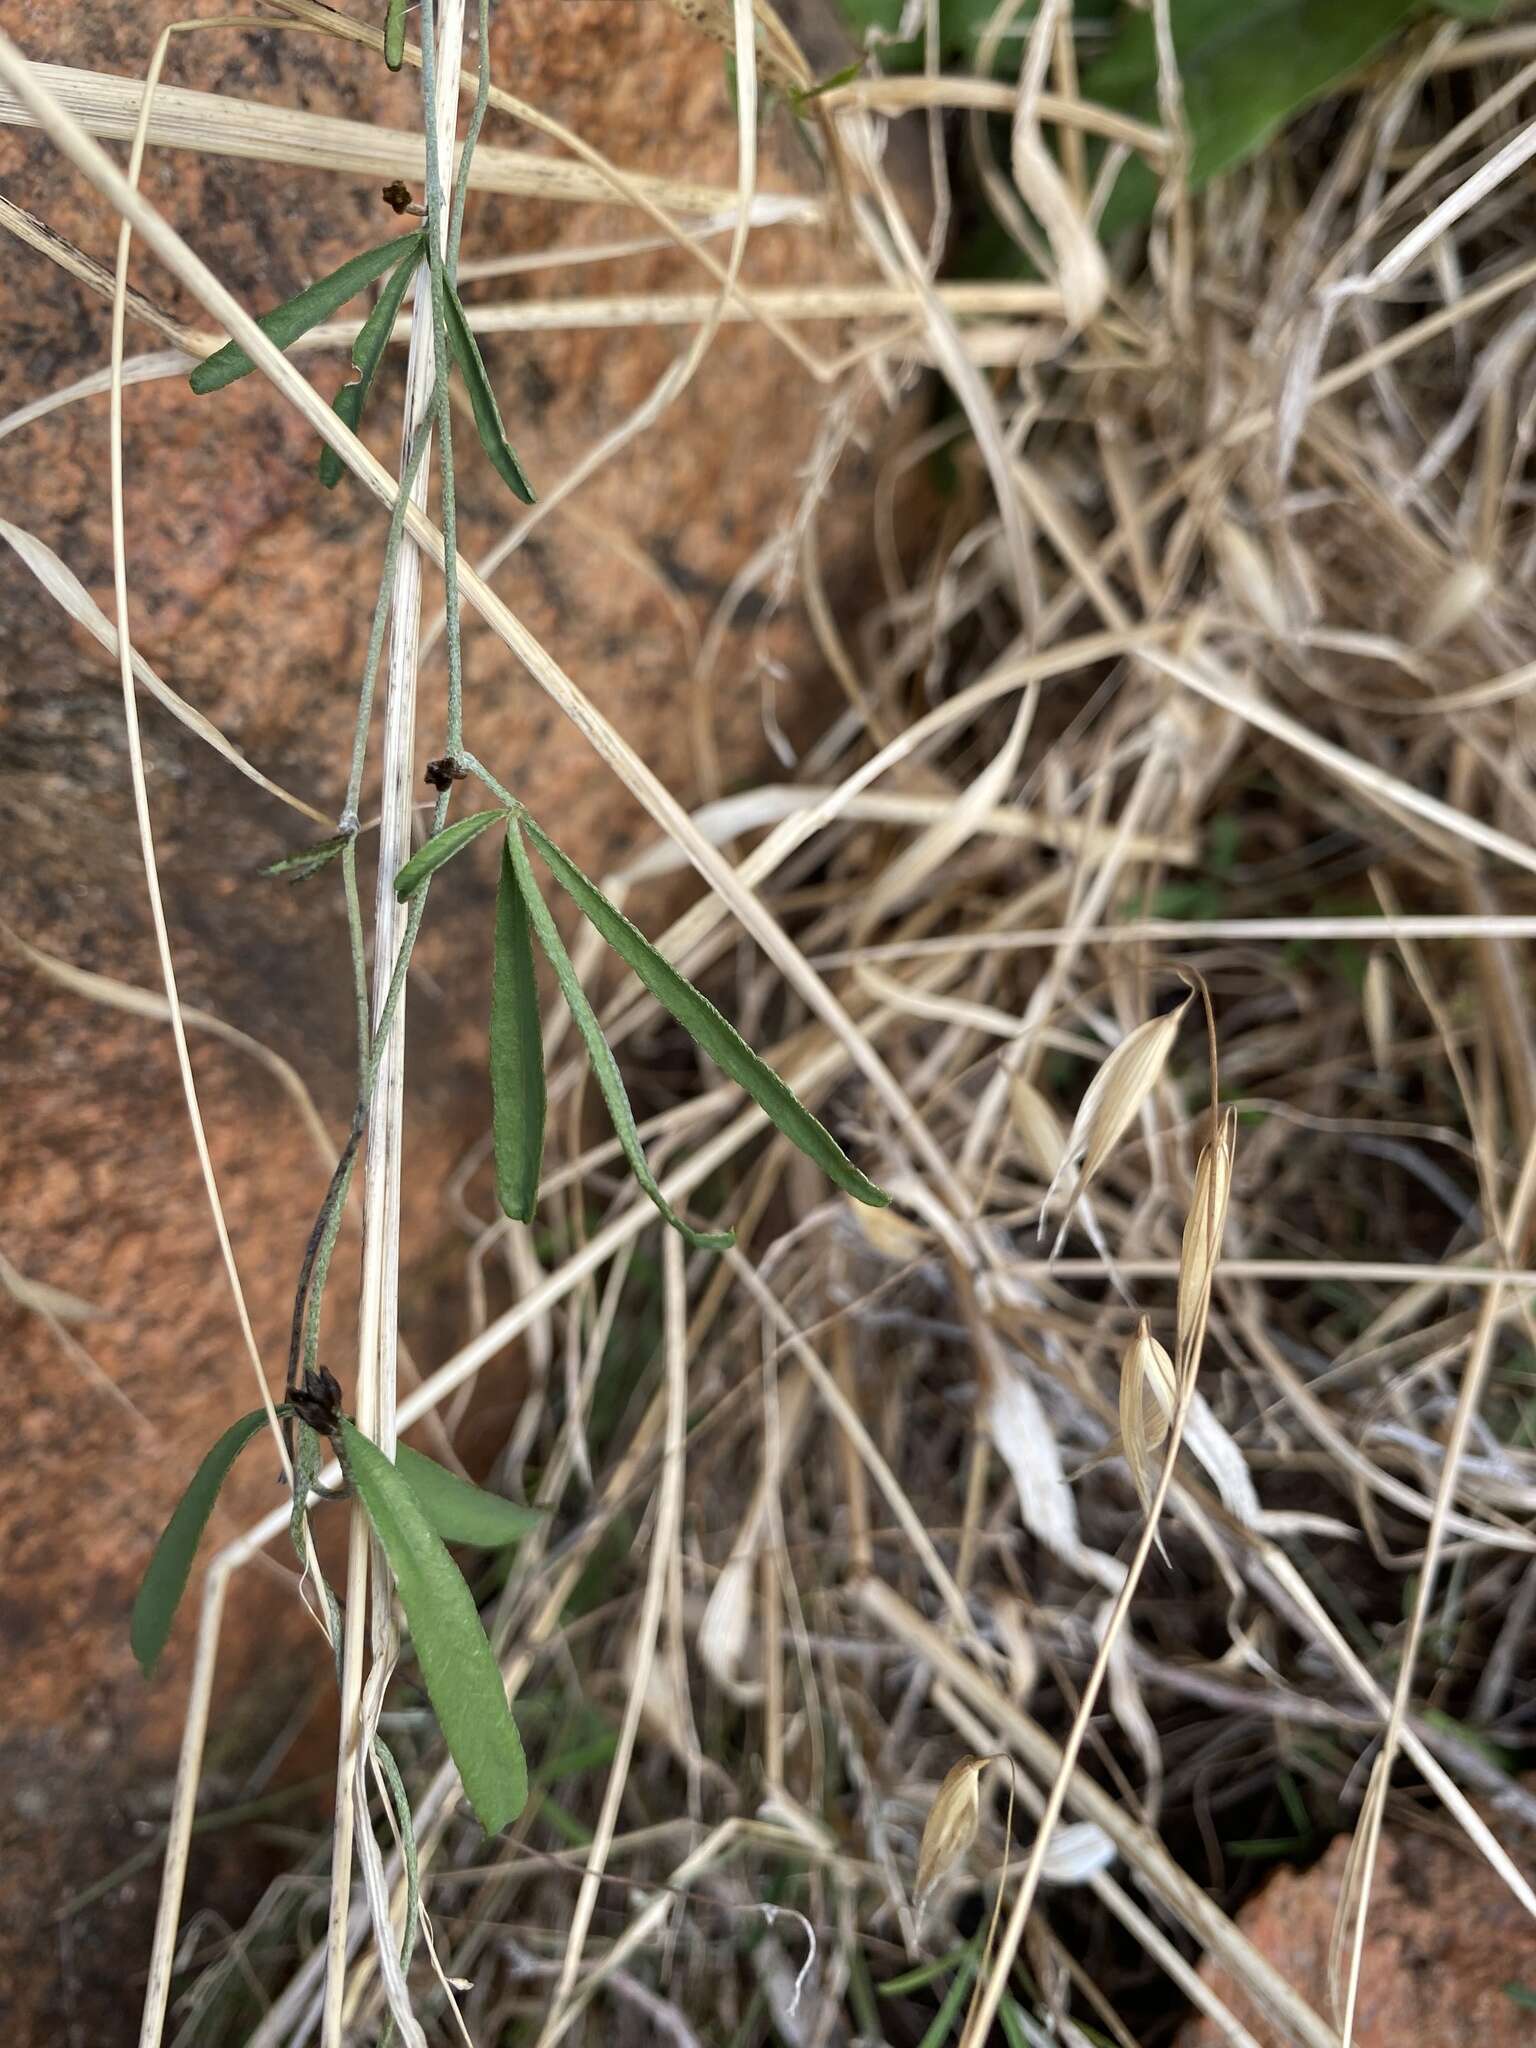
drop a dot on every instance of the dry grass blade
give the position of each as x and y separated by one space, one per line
1081 269
218 124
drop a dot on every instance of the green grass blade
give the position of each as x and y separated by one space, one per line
947 2017
462 1678
170 1567
604 1066
295 316
1245 70
518 1101
925 1972
708 1029
394 35
368 353
460 1512
493 435
309 860
440 848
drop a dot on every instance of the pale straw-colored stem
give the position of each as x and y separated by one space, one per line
220 125
378 1313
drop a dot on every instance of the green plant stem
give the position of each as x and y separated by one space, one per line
478 769
305 1351
471 137
357 946
325 1221
448 514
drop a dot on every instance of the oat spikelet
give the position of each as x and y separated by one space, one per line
951 1827
1146 1368
1041 1137
1113 1097
1202 1243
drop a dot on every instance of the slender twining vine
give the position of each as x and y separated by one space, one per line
415 1506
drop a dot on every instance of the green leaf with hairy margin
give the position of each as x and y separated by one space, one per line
170 1567
441 847
368 353
707 1028
309 860
394 35
461 1512
295 316
461 1675
605 1067
493 435
518 1101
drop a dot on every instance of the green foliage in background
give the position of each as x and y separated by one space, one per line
1246 66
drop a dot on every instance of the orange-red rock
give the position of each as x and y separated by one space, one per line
1445 1942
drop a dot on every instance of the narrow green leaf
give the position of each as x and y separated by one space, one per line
708 1029
394 35
462 1678
442 847
493 435
518 1100
1244 71
944 2020
170 1567
925 1972
460 1512
368 353
604 1066
846 76
306 309
309 860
